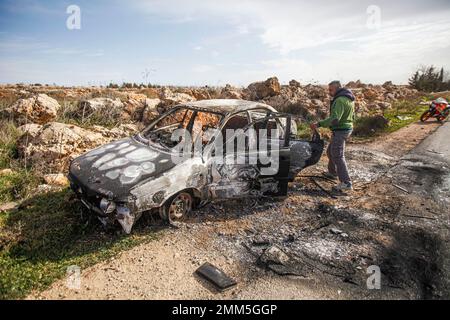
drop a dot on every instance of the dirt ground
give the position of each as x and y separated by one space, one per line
397 219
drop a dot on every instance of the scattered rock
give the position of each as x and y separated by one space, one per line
6 172
8 206
230 92
170 98
108 105
275 255
294 83
199 94
261 90
260 241
37 109
55 144
57 179
30 129
150 112
335 231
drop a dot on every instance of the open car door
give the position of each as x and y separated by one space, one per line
256 160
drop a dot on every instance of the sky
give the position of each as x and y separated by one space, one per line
208 42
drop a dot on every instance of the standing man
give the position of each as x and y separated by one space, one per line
340 122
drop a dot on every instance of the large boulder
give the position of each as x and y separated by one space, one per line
294 83
199 94
371 94
134 106
37 109
56 179
388 85
31 129
123 130
54 144
150 112
288 96
261 90
170 98
316 92
355 84
229 92
100 105
132 110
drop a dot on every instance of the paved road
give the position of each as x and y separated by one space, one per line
437 145
434 156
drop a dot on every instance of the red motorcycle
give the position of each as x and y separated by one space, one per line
439 109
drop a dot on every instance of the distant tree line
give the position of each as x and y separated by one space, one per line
130 85
430 79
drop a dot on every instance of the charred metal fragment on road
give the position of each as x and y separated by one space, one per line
216 276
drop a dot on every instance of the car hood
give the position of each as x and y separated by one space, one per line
116 168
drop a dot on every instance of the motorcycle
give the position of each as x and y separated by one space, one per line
439 109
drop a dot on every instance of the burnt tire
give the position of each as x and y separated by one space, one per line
425 116
178 207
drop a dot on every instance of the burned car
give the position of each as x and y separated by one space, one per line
149 171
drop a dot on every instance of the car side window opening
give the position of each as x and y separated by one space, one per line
203 122
238 121
229 130
262 121
262 124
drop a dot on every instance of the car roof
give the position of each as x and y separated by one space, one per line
227 106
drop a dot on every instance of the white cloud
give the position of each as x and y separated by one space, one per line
305 40
410 34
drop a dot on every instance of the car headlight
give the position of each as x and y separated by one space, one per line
107 206
122 212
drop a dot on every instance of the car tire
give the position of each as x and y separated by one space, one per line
177 208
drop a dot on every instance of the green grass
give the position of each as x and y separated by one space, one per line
403 113
400 115
50 233
17 185
70 114
20 183
303 130
8 143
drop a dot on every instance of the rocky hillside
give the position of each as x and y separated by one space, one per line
56 124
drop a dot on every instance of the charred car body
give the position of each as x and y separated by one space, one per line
121 180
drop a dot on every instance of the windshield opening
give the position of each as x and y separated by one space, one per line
195 122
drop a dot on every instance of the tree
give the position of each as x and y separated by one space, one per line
441 75
429 79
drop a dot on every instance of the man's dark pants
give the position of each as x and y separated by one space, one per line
336 155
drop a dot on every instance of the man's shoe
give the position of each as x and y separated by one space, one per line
343 187
330 176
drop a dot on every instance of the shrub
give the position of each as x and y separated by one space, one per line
370 125
430 79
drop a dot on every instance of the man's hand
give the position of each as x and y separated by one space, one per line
314 126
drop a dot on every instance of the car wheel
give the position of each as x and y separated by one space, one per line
177 207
